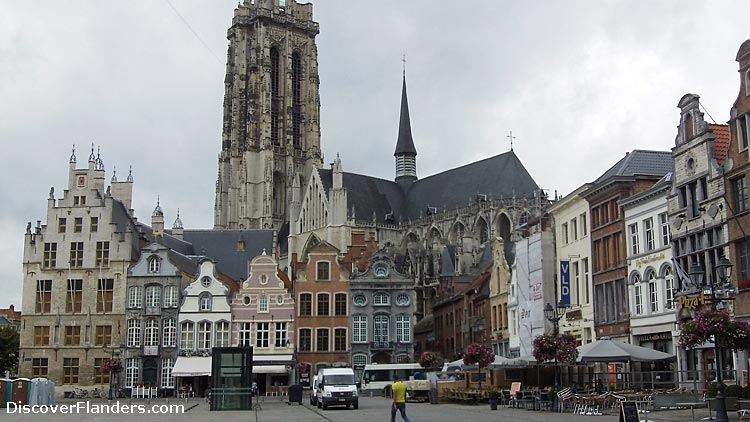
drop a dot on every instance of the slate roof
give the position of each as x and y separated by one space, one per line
405 143
640 163
498 176
221 246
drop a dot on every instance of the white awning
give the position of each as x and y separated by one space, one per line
194 366
269 369
274 358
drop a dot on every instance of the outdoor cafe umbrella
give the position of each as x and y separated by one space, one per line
606 350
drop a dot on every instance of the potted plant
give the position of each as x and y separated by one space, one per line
494 397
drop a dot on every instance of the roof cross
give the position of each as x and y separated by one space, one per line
511 137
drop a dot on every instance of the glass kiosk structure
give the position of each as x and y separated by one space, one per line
231 373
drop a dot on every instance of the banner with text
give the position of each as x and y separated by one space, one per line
565 282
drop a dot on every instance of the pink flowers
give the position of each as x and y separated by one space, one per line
478 354
430 360
717 326
110 366
302 366
548 347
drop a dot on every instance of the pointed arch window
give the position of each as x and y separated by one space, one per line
275 101
154 265
296 98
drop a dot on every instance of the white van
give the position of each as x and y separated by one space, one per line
313 396
336 387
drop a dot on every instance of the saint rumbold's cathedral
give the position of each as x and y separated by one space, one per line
271 173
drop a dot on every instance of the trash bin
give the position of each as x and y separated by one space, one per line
295 394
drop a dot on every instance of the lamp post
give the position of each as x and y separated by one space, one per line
553 315
722 271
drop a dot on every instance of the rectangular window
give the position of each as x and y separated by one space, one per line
153 298
584 224
222 334
70 370
50 255
664 224
564 233
653 294
638 299
263 303
135 296
62 224
99 376
321 340
359 329
245 333
739 194
131 372
167 380
102 254
574 229
43 296
339 308
305 340
669 291
648 229
633 230
103 335
261 334
134 333
323 304
742 131
151 333
171 297
78 225
76 254
94 224
204 335
187 336
339 340
104 295
575 289
324 271
41 335
74 296
600 315
280 335
305 304
170 333
403 329
743 256
39 367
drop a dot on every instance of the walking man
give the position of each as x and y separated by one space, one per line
399 399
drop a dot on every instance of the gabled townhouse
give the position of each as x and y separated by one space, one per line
263 317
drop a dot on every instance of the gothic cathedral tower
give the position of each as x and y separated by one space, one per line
271 131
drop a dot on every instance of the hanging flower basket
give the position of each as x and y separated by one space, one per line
564 347
302 366
478 354
430 360
717 326
110 366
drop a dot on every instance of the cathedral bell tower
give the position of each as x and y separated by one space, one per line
271 132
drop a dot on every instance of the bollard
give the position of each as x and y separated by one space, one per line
370 394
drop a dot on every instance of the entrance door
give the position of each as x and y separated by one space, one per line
150 370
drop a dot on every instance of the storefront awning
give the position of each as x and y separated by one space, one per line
270 369
194 366
273 359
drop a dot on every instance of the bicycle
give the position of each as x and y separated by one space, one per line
99 393
80 393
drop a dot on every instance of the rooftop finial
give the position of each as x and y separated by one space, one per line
403 61
92 157
177 222
511 137
157 211
130 175
114 174
99 162
73 154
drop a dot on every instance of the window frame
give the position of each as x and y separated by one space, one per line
323 271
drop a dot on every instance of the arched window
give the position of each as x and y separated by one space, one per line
153 297
305 304
152 333
359 359
154 265
135 297
324 304
134 333
205 302
296 98
653 290
275 101
131 372
170 333
668 288
637 293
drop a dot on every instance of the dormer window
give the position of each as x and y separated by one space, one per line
205 303
154 265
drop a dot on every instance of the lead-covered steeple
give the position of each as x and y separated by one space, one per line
406 154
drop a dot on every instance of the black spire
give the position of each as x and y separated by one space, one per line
405 144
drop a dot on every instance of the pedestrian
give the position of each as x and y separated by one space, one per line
399 400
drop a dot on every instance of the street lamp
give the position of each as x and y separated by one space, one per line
553 315
723 271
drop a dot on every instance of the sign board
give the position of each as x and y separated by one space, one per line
628 412
565 282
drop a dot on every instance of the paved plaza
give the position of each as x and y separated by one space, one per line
371 409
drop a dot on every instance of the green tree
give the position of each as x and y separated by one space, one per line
9 342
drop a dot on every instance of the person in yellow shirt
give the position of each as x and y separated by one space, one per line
399 400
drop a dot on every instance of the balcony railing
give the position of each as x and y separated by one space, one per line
150 351
381 345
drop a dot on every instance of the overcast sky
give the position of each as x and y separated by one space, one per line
578 82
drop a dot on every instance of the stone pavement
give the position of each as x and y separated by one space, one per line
375 409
